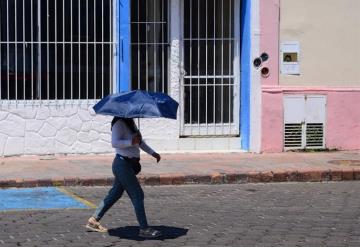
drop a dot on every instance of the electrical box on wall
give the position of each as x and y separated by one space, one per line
304 121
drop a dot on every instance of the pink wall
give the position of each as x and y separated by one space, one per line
269 38
342 126
343 120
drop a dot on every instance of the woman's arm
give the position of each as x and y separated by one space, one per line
146 148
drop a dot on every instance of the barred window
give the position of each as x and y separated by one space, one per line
56 49
149 45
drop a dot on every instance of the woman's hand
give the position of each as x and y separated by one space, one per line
157 157
136 139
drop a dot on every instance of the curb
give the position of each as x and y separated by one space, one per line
214 178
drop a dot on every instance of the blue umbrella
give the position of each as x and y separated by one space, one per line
137 104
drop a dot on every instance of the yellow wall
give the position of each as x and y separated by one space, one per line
329 36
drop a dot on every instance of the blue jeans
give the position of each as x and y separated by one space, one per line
125 179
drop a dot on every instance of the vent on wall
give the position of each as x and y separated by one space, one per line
293 135
304 121
315 135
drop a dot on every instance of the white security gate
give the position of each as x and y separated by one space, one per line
210 57
56 49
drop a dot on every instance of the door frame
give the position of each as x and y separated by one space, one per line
202 130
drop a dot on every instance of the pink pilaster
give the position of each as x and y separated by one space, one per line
269 38
272 107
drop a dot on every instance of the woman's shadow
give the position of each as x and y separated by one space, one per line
131 232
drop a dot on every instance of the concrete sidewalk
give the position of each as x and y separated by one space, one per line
187 168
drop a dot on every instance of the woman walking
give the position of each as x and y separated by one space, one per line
127 141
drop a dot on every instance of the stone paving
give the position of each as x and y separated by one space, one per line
281 214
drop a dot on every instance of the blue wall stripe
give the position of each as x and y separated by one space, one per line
245 68
124 46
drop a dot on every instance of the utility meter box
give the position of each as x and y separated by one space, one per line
304 121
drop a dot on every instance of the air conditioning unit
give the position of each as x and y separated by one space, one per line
304 121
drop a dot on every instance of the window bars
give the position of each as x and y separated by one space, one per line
149 45
56 49
210 46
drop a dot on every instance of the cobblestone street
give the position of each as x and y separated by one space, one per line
283 214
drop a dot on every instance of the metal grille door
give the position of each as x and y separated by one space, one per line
149 45
56 49
210 59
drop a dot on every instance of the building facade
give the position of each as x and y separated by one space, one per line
314 106
249 75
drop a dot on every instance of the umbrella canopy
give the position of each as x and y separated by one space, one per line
137 104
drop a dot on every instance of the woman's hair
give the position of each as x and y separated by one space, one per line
115 119
128 121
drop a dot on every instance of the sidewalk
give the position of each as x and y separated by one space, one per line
187 168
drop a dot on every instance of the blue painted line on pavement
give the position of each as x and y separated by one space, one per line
36 198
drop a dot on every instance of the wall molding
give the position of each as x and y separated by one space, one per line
286 89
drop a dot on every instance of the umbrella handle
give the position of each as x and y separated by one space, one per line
139 124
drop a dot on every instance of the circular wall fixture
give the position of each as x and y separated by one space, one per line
265 72
264 56
257 62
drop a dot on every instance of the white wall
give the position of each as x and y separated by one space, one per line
255 85
58 128
48 128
